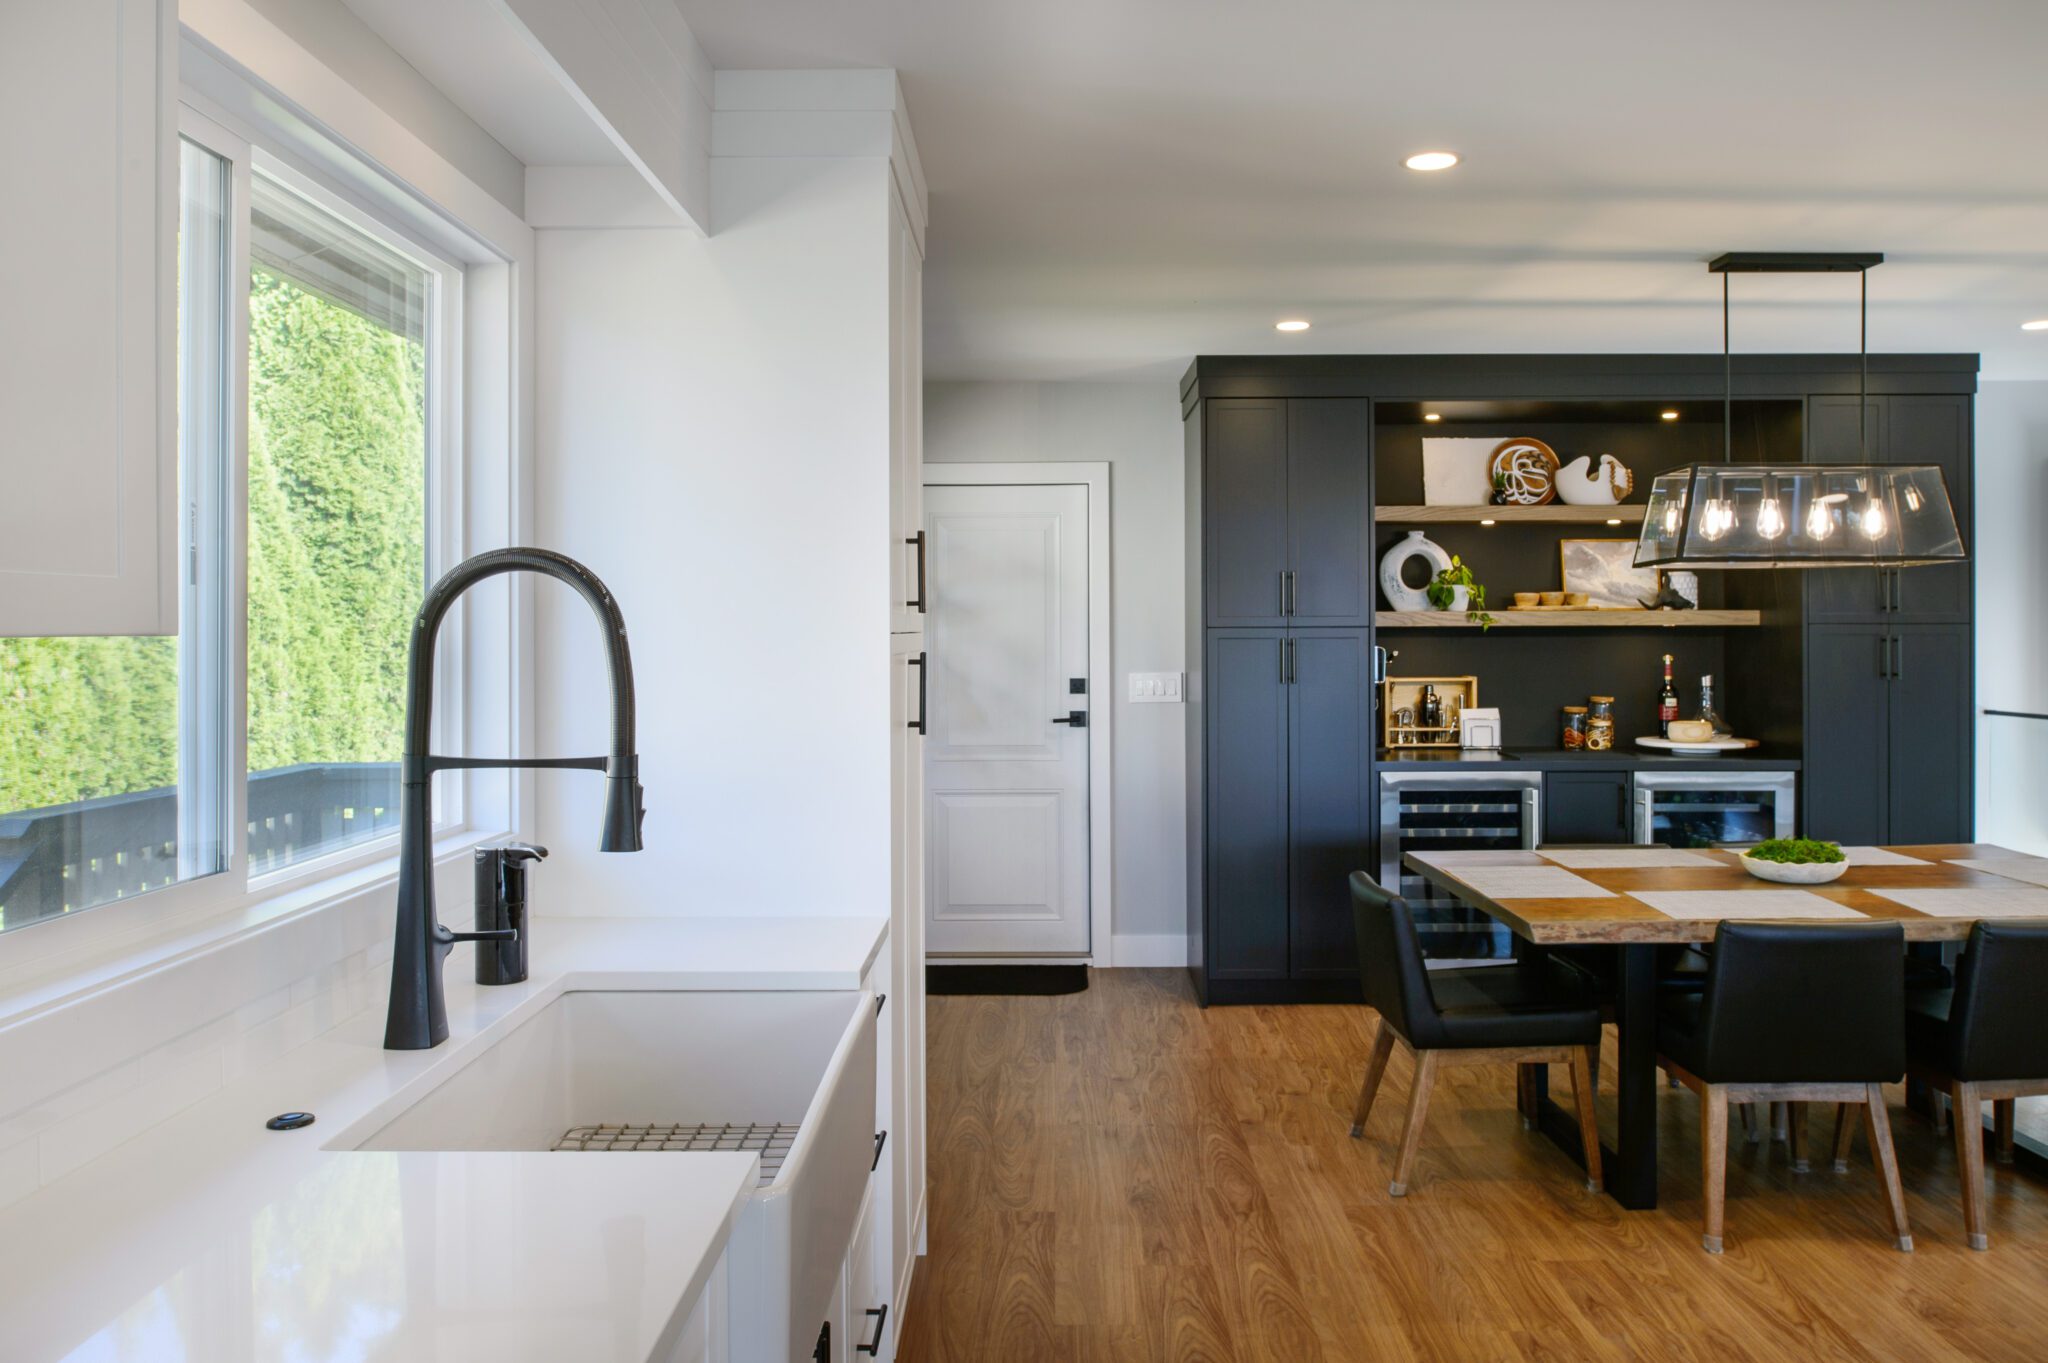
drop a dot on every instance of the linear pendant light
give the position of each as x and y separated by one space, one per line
1730 515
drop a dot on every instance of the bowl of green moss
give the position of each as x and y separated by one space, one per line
1795 861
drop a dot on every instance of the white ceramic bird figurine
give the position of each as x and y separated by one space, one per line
1584 483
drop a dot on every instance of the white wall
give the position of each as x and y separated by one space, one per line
1136 429
2011 556
712 430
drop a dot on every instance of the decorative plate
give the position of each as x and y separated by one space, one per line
1711 745
1529 467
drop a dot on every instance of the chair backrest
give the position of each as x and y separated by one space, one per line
1996 1028
1390 961
1811 1002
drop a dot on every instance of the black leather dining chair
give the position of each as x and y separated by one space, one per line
1984 1040
1507 1014
1793 1013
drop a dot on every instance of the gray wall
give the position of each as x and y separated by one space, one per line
1136 429
2011 556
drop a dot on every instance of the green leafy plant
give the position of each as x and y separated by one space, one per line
1443 590
1796 851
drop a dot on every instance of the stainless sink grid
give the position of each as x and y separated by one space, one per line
770 1139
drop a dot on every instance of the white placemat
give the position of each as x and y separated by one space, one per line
1500 856
1530 882
1694 905
2032 870
1989 901
1625 858
1877 856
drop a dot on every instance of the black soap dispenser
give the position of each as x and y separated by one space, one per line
501 905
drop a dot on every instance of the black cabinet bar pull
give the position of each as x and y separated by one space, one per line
1287 592
1898 657
880 999
874 1345
1884 655
923 674
1287 661
881 1139
918 541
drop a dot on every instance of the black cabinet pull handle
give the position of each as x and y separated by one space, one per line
1884 656
923 692
881 1139
1898 657
874 1345
918 541
1287 592
1287 661
823 1353
880 999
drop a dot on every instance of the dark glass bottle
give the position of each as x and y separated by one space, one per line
1667 702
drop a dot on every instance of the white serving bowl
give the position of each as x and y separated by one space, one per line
1794 872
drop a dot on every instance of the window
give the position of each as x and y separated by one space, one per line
112 751
338 378
307 459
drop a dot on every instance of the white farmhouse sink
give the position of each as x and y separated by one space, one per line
683 1058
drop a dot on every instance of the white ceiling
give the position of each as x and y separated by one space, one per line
474 53
1118 185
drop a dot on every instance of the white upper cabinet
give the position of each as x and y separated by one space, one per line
88 360
909 579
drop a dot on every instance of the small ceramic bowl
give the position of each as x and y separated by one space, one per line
1524 600
1576 600
1794 872
1553 598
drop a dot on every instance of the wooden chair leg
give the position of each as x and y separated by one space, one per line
2001 1121
1751 1132
1970 1164
1845 1132
1781 1129
1795 1126
1713 1164
1375 1070
1944 1111
1585 1083
1888 1165
1411 1134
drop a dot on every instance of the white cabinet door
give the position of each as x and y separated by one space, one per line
870 1324
908 588
905 1151
88 448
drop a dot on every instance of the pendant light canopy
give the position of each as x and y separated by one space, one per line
1729 515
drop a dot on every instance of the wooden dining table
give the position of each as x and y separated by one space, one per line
1635 899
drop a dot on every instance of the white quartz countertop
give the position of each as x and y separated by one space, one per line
209 1239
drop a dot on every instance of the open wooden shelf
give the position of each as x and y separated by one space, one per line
1553 513
1567 619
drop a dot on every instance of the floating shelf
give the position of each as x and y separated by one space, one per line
1554 513
1569 619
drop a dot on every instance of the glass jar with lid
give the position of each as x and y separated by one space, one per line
1599 723
1573 736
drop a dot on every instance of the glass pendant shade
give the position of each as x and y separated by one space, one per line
1799 516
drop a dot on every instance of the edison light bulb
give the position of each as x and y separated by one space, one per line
1770 519
1819 524
1671 519
1912 499
1873 519
1710 519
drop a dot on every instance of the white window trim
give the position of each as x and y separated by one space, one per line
485 414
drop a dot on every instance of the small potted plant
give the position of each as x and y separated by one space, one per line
1455 589
1795 861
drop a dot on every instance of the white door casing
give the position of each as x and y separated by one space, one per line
1007 788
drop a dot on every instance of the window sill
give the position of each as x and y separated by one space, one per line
64 978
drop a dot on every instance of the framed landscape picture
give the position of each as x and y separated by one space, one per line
1605 571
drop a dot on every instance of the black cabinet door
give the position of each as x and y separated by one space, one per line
1329 543
1930 769
1847 695
1330 797
1832 438
1585 806
1933 429
1246 889
1244 510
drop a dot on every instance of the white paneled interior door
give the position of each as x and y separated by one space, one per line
1006 771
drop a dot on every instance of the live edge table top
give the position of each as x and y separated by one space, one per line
1487 881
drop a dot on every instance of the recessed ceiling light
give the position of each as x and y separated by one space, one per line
1292 324
1614 520
1668 416
1486 522
1432 160
2040 324
1432 416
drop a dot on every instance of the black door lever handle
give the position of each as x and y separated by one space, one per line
1077 718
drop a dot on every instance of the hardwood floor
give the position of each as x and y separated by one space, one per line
1118 1175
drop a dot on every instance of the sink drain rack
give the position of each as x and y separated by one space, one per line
770 1140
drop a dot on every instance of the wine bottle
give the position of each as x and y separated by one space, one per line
1667 702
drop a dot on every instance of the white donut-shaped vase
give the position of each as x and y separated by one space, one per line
1400 596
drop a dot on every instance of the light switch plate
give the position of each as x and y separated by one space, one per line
1162 688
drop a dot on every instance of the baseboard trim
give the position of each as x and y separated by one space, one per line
1150 951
